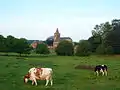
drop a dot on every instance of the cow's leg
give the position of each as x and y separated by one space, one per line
51 81
35 81
47 81
97 73
32 82
102 72
105 71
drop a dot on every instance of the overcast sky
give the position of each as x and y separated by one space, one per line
38 19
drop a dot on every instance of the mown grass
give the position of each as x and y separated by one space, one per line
65 76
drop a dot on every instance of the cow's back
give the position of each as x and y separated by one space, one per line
46 73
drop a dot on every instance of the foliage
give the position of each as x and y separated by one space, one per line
103 49
12 44
100 49
109 34
21 46
102 30
95 41
42 49
2 44
113 38
109 50
65 48
83 49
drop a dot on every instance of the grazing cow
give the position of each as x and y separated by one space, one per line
35 74
101 69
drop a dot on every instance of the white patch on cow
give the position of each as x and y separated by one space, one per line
101 71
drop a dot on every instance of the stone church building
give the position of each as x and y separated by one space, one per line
56 39
52 41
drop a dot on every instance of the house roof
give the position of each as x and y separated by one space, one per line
61 38
65 38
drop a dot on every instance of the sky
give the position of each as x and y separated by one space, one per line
38 19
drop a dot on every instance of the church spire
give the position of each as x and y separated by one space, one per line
56 38
57 30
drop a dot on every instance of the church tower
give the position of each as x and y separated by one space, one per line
56 38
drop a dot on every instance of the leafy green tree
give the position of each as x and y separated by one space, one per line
100 49
104 50
95 41
10 43
109 50
2 44
113 38
99 35
102 30
21 46
65 48
83 49
42 49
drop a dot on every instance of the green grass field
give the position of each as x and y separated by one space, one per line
65 76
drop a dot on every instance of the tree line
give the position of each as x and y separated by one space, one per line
14 45
105 39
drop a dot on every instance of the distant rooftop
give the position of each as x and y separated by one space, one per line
61 38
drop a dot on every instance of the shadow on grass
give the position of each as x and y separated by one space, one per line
86 67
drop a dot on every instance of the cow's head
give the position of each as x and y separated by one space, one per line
26 77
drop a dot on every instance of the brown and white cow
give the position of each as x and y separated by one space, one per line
35 74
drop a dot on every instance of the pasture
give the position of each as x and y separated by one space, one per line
65 76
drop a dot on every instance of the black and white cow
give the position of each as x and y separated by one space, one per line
101 69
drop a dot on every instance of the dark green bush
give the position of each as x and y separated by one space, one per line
42 49
83 49
65 48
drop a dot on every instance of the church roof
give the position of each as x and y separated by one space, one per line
50 38
61 38
65 38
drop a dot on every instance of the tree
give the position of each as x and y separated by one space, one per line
99 35
100 49
95 41
9 43
102 29
105 50
109 50
2 44
21 46
113 38
65 48
42 49
83 49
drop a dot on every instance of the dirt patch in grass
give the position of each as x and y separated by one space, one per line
86 67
